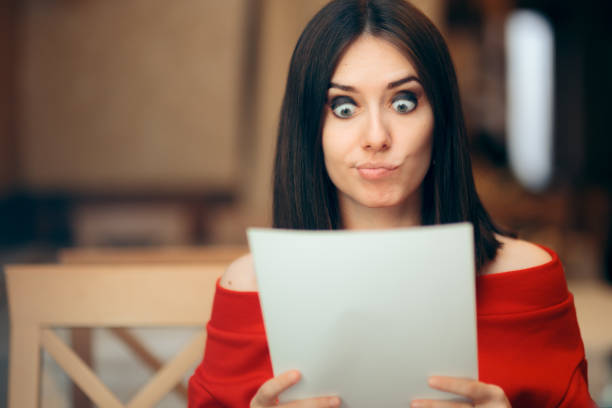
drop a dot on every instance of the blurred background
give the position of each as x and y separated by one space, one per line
153 123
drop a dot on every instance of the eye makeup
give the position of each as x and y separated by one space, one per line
411 96
336 101
404 101
343 107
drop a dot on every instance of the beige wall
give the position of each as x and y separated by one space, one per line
138 95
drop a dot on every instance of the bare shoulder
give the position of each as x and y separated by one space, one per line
516 254
240 275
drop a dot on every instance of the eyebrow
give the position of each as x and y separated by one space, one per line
390 85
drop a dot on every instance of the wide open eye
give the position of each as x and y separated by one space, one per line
343 107
404 102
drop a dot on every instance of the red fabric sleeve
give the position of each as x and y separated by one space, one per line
529 341
578 391
236 357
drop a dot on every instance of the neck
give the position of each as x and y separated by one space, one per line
356 216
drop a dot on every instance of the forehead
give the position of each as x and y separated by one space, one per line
372 59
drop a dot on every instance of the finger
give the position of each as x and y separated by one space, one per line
321 402
473 389
439 404
269 391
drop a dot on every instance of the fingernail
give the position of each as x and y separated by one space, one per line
433 381
417 404
334 402
294 376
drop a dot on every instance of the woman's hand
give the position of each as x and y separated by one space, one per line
267 395
482 395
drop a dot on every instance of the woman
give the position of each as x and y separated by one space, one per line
372 136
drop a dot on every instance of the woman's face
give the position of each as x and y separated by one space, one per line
377 129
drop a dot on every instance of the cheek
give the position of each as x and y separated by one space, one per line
415 139
336 142
425 144
423 151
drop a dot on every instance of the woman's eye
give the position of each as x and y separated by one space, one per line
404 103
343 108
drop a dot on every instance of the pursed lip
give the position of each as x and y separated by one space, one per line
385 166
375 171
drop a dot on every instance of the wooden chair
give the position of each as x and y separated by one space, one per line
41 297
81 338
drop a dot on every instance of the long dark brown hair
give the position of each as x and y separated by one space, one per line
304 195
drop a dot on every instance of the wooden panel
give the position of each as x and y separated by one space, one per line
8 70
188 254
281 25
80 339
164 380
102 296
78 371
170 374
24 364
142 295
593 309
206 254
131 96
143 354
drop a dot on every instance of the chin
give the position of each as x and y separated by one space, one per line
381 201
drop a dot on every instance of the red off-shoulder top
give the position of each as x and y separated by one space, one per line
529 343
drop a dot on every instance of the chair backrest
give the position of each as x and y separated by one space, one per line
41 297
188 254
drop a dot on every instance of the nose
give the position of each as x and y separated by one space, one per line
376 136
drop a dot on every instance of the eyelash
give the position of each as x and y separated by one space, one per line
402 95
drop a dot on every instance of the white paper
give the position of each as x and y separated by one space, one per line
368 315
